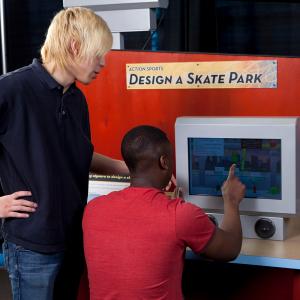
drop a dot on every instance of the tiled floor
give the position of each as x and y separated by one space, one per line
4 286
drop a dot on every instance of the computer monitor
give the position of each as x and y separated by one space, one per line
263 149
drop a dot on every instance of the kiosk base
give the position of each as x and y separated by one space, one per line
260 227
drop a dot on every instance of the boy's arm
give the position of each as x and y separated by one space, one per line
102 164
227 240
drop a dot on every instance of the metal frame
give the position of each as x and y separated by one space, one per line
101 5
3 40
123 15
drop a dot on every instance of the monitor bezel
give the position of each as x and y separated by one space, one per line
283 129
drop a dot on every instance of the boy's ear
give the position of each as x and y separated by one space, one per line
74 48
164 162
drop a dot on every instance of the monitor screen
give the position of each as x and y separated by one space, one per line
264 149
258 165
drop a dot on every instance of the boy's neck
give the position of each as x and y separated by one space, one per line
136 181
62 76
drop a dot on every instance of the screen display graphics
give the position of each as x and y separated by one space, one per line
258 165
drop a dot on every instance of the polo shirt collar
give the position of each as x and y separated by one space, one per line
45 77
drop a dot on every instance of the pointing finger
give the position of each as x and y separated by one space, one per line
231 172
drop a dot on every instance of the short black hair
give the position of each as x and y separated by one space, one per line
143 143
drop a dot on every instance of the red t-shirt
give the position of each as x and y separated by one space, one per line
135 240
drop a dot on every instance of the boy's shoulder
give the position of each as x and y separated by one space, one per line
15 77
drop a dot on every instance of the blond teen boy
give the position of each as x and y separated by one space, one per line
46 155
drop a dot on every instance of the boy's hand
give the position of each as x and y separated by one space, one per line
12 206
233 190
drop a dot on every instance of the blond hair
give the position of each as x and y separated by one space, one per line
80 25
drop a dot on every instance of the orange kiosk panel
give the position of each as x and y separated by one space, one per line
114 110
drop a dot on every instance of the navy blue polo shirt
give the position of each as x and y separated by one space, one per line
45 147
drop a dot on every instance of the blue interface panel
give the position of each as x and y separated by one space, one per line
258 165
